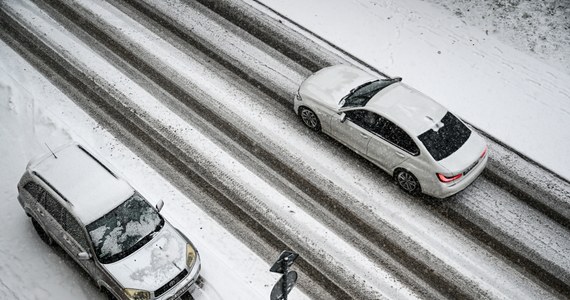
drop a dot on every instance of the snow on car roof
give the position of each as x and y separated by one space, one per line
91 189
407 107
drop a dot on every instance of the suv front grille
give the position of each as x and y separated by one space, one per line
163 289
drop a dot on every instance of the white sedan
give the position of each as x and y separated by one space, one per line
416 140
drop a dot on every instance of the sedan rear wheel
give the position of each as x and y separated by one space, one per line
408 182
310 119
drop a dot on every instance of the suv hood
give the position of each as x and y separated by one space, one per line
154 264
465 156
330 84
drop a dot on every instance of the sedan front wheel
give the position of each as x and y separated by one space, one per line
309 118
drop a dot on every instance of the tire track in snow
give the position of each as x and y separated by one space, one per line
373 234
550 197
133 131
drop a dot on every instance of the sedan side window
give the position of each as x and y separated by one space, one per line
54 208
74 229
365 119
396 136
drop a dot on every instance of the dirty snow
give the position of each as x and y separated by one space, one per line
32 112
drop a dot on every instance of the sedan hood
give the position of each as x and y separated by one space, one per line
154 264
465 156
329 85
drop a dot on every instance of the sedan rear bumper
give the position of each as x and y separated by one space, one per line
444 190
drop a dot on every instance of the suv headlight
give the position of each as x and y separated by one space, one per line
190 256
135 294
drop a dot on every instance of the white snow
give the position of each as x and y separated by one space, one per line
507 93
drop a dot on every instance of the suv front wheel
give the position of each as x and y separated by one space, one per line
41 232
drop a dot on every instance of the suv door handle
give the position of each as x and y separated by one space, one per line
364 135
400 154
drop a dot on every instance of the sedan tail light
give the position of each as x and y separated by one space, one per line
447 179
484 152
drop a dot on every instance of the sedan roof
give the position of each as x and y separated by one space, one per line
89 187
407 107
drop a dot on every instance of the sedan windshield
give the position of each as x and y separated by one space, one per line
448 139
124 229
359 96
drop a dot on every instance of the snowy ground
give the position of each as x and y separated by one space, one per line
32 112
540 28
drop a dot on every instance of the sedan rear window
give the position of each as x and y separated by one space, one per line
445 141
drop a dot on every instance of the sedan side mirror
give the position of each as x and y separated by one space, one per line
342 117
83 255
159 205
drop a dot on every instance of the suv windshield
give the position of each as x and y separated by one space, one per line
444 142
124 229
359 96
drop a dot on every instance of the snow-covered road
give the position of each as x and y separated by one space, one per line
453 253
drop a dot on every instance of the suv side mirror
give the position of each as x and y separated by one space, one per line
159 205
342 117
83 255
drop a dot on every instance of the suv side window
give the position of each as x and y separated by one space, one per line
34 189
54 208
396 136
74 229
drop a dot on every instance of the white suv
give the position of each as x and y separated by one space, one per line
107 227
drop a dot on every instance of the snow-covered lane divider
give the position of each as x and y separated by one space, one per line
527 179
39 113
182 71
223 41
322 245
193 69
541 189
544 243
231 90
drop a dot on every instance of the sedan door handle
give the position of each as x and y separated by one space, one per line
400 154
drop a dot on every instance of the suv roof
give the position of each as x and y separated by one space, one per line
90 187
